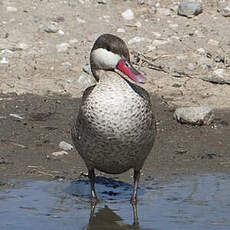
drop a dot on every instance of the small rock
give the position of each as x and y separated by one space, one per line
102 1
73 41
3 161
201 51
138 24
225 10
159 42
63 47
173 26
65 146
136 40
11 9
150 48
4 61
59 153
128 14
157 4
6 51
51 28
80 20
200 115
219 76
181 151
66 63
121 30
57 19
18 117
141 2
61 32
176 85
189 9
213 42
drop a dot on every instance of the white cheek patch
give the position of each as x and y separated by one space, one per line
105 59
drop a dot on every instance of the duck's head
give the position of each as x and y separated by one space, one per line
109 52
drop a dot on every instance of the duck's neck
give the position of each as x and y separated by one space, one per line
110 80
110 77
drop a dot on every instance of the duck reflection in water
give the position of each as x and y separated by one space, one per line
113 192
106 219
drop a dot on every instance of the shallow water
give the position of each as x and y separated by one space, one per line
191 203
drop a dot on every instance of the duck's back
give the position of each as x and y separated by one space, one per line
115 128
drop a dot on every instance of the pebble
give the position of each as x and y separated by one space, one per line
11 9
173 26
136 40
213 42
225 10
63 47
6 51
102 1
121 30
65 146
197 115
66 63
128 14
189 9
4 61
219 76
201 51
51 28
61 32
59 153
138 24
73 41
80 20
157 4
159 42
17 116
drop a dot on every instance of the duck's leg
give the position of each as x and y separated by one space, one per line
136 177
135 215
91 175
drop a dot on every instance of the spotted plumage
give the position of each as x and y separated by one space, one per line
115 127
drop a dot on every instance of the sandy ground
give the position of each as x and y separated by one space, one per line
44 85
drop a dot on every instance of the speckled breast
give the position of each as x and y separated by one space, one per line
115 129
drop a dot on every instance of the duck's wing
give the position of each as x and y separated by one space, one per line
78 127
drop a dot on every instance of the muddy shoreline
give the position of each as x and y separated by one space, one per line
27 144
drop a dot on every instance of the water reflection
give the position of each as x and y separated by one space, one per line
105 218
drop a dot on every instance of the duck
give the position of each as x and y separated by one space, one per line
115 128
